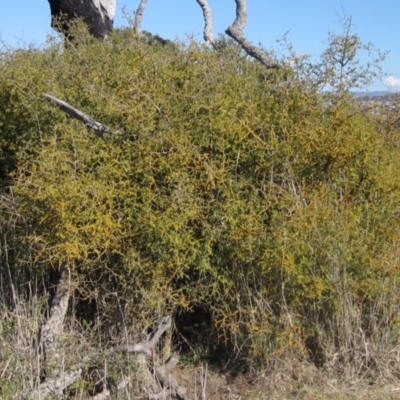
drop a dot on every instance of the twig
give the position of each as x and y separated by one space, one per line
203 382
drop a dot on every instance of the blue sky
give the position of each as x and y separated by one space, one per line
307 23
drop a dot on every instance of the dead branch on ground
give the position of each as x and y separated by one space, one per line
155 382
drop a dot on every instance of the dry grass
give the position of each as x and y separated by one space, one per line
206 384
20 369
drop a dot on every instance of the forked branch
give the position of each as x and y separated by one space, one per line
168 383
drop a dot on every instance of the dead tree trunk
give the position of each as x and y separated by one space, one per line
54 325
56 380
97 14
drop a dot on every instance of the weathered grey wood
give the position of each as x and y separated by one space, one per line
56 385
125 382
235 31
145 346
98 128
208 24
137 25
53 327
49 345
163 374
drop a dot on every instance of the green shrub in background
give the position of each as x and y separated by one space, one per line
233 190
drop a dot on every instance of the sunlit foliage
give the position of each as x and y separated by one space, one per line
232 188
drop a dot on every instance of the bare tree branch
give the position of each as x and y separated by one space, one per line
235 31
145 346
137 26
99 128
169 366
208 25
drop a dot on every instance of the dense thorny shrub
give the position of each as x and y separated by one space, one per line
232 189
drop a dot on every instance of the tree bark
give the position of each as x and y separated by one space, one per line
97 14
147 344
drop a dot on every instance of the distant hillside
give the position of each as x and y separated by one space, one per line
377 93
376 96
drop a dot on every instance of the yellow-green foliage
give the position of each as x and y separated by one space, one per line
233 188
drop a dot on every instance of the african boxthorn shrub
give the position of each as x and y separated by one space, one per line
233 188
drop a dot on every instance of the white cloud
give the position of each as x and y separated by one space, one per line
392 82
